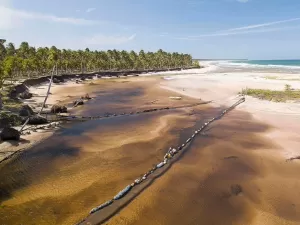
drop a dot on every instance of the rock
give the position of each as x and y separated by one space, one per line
25 95
78 102
55 80
4 122
26 110
58 79
59 109
236 189
37 120
82 78
13 93
86 96
9 133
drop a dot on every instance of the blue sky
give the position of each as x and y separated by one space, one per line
254 29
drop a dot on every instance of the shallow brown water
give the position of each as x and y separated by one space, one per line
85 164
198 188
61 179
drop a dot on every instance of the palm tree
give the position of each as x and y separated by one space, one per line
10 49
2 49
53 57
23 50
9 65
26 60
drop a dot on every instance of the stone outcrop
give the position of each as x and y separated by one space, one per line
25 95
9 133
37 120
55 81
86 97
59 109
26 110
78 102
4 122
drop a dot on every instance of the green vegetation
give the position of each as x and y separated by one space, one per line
27 61
13 119
196 64
277 78
287 88
10 104
271 95
271 77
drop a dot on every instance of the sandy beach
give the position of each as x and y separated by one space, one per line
82 165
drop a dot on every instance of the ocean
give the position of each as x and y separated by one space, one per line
284 64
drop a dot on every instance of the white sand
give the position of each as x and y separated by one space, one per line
223 89
58 93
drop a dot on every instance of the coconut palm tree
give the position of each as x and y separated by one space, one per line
27 60
10 49
2 49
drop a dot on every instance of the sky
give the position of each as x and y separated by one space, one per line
207 29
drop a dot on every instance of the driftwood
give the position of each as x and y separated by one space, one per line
1 104
45 100
48 91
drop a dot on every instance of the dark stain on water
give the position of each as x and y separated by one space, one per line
116 101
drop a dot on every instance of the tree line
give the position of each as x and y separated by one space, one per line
28 61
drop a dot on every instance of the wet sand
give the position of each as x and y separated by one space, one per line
198 188
85 164
61 179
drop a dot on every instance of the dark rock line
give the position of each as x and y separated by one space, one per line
108 115
168 156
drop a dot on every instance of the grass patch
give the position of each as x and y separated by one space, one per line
9 103
271 77
277 78
271 95
13 119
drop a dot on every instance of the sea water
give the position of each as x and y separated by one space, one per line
284 64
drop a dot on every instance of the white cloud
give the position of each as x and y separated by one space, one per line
90 10
108 40
11 18
237 33
256 28
264 24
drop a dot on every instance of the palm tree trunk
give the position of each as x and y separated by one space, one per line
43 102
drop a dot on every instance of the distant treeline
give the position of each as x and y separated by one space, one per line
28 61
